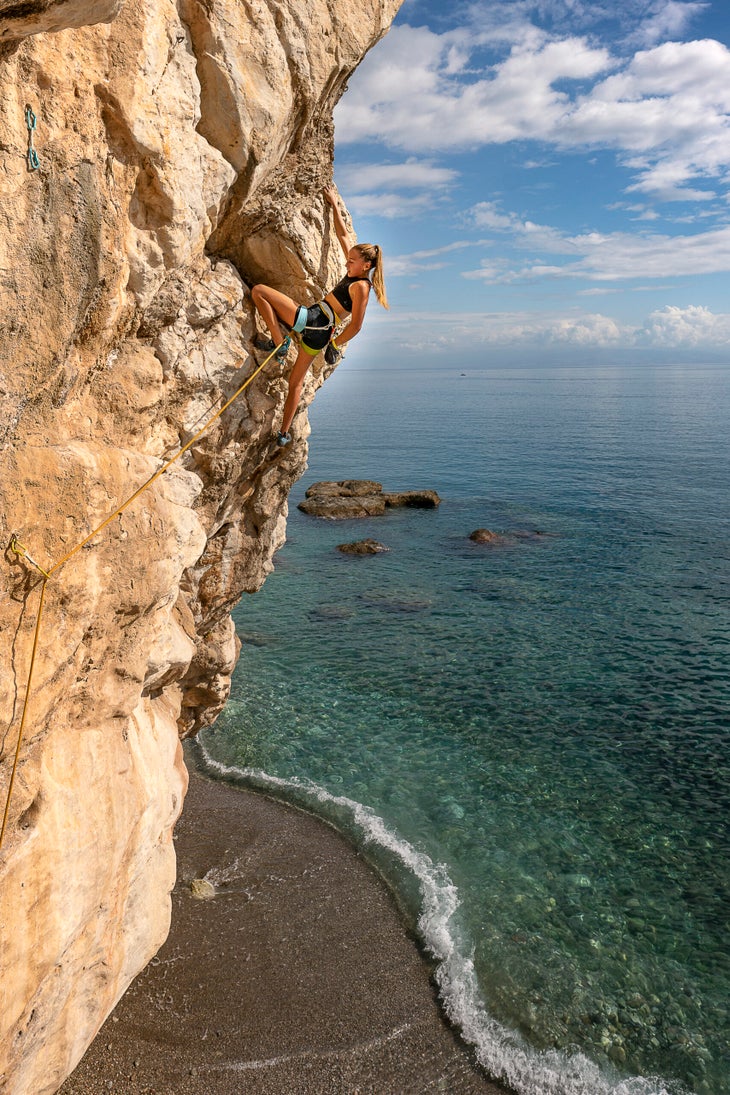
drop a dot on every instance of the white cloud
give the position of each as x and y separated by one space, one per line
412 174
588 330
600 256
447 333
419 261
391 206
664 110
621 255
670 20
426 105
694 326
378 187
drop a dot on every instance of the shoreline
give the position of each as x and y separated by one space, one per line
297 978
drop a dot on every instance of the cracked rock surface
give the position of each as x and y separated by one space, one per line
181 151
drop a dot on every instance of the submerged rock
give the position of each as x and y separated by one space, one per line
331 612
363 547
419 499
395 603
485 536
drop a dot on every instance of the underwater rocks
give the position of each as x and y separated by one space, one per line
363 547
484 536
361 498
498 539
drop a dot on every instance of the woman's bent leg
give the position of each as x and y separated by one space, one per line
296 382
273 305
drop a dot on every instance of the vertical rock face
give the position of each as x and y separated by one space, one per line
181 152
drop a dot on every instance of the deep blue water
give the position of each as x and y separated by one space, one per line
529 740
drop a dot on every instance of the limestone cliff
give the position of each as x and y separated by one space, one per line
181 150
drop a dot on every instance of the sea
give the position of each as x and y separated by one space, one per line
528 739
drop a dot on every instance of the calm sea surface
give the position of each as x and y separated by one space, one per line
530 741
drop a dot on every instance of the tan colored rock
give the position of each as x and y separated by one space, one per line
361 498
345 488
38 16
343 507
182 149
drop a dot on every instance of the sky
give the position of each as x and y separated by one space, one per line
547 179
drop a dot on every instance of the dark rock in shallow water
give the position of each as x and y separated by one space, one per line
485 536
360 498
421 499
326 613
362 547
529 534
395 603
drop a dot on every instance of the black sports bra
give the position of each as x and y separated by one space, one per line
341 291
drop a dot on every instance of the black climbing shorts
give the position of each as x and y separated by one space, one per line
319 327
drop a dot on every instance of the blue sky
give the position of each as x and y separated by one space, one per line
550 176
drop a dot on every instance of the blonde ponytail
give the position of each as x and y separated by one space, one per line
371 253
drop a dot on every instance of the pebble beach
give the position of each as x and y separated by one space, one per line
294 975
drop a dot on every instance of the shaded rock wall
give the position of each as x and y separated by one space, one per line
182 149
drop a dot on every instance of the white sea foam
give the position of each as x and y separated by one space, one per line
503 1053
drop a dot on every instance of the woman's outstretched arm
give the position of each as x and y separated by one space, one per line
346 238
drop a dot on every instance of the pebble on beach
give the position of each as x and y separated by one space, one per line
202 889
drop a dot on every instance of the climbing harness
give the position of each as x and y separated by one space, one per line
21 552
32 155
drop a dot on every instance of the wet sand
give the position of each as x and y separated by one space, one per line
296 978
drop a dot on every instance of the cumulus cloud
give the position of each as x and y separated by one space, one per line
664 110
693 327
513 99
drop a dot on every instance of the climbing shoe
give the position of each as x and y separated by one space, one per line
333 354
283 349
283 439
261 342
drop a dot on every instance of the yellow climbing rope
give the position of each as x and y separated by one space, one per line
22 552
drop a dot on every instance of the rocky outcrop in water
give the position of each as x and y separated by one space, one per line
181 150
361 498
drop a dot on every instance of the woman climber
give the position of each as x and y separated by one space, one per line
316 324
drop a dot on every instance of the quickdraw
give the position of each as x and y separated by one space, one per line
32 155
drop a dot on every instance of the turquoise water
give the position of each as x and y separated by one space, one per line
530 741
